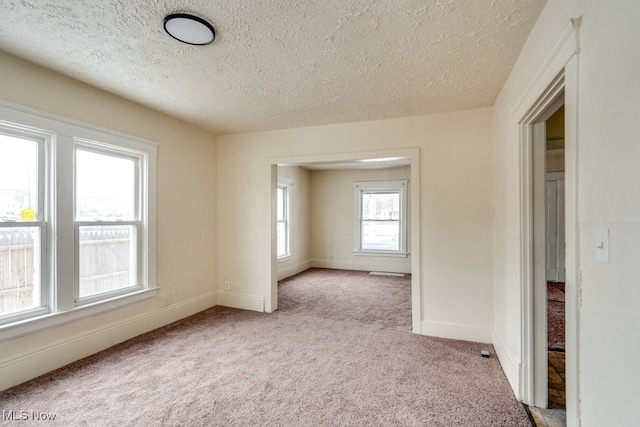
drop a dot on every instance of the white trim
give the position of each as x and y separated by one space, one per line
285 271
25 367
554 176
381 253
538 280
510 366
242 301
457 331
44 118
50 320
366 264
572 245
565 47
284 181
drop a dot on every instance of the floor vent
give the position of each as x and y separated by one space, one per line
385 273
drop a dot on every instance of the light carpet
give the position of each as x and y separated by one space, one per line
338 352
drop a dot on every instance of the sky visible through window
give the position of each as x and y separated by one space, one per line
105 184
105 187
18 176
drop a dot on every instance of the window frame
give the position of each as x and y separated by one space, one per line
136 223
285 184
367 187
58 210
42 222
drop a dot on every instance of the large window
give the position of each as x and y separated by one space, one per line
107 220
22 222
283 222
381 213
77 215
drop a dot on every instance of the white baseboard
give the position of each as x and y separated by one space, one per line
457 331
242 301
25 367
365 265
287 270
510 366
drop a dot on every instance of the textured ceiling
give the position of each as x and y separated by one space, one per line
280 64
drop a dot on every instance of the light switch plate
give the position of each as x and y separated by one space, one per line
602 245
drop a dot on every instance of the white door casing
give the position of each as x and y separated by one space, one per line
555 239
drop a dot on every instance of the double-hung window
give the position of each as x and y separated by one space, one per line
283 222
77 220
107 221
381 218
23 223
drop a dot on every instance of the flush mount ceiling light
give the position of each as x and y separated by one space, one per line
189 29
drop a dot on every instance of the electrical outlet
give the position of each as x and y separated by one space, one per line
330 257
227 286
174 290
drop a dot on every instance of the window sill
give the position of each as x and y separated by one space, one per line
49 320
284 258
382 254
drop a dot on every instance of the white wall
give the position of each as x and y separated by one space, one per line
332 217
455 209
608 154
300 222
186 221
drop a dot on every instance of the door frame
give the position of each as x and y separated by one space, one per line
271 178
533 366
557 177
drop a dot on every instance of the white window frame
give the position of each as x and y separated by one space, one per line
59 272
41 250
361 188
286 184
136 223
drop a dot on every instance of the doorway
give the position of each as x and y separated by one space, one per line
555 270
413 157
534 387
544 245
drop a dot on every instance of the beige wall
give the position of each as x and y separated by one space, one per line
604 388
300 205
186 220
454 209
332 218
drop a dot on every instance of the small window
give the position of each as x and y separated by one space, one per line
283 221
381 212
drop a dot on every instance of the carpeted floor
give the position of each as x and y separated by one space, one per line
337 353
555 316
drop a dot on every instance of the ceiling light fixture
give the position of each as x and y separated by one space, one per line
189 29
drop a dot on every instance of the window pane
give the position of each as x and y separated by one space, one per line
105 187
18 179
381 235
107 258
281 200
282 239
19 269
381 205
